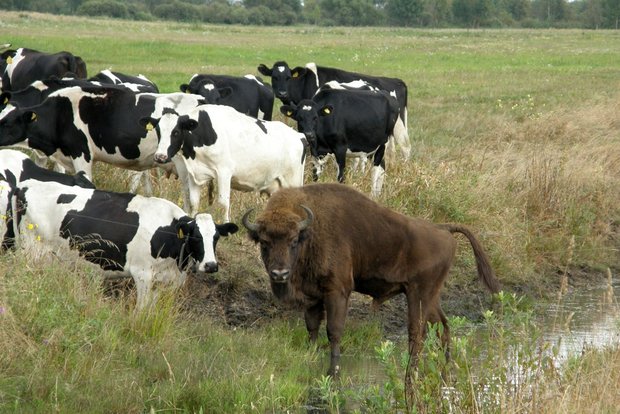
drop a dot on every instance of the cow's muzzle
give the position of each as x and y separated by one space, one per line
279 275
161 158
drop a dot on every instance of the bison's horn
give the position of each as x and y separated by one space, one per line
302 225
246 221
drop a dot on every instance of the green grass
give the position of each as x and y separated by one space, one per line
515 133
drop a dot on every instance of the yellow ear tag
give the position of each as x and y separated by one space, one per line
9 60
289 113
149 127
34 117
6 101
295 74
180 234
327 111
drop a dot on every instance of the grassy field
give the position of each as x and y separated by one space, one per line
515 133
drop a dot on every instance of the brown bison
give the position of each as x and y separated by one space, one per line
323 241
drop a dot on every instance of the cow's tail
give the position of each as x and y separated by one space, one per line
485 271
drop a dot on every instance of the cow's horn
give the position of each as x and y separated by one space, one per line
246 222
302 225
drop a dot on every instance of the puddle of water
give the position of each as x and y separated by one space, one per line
584 319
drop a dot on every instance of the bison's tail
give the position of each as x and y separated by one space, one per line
485 271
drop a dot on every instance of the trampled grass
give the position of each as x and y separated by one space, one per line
515 133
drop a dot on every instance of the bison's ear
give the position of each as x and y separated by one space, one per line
148 123
264 70
185 88
326 110
227 228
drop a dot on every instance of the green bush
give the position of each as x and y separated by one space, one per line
109 8
178 11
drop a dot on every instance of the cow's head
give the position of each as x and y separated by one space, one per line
208 90
14 124
281 234
199 237
280 74
170 133
308 114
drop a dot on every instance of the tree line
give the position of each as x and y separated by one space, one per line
590 14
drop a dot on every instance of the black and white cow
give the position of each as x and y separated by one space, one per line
149 238
247 94
23 66
17 167
138 83
294 85
37 91
336 121
88 124
217 143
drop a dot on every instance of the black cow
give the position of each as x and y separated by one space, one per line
294 85
106 127
150 238
335 121
23 66
248 94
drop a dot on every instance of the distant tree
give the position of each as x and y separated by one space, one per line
549 11
611 11
471 13
437 13
312 11
405 12
518 9
350 13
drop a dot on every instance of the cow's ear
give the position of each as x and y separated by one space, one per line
148 123
326 110
225 92
299 71
188 124
185 88
29 116
5 97
227 228
264 70
8 54
184 227
287 110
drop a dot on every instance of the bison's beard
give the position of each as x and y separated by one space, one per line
286 294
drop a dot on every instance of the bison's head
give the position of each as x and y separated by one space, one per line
280 234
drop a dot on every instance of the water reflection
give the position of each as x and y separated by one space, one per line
582 319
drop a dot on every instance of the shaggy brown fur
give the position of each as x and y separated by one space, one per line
353 243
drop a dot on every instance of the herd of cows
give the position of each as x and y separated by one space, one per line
318 242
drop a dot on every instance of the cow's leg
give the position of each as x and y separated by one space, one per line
144 287
223 193
147 181
336 304
134 180
401 136
314 316
378 171
341 158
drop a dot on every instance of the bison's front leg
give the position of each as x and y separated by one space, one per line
336 308
314 316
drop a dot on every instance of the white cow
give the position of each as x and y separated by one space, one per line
215 142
